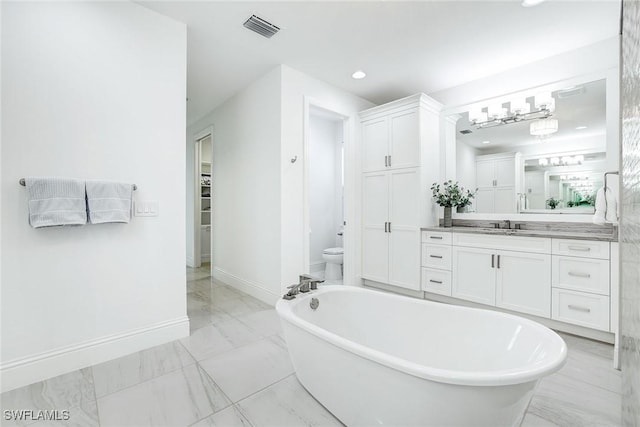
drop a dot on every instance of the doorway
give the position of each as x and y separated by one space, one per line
203 198
325 162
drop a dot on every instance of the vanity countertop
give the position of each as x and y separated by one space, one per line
560 231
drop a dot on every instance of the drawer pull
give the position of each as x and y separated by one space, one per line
436 237
579 308
435 256
574 274
436 281
579 248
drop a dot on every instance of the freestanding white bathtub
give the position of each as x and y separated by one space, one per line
373 358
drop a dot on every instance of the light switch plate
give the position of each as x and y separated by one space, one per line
146 208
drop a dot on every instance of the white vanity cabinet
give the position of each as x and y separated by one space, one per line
391 230
503 271
436 262
391 141
496 178
400 143
582 284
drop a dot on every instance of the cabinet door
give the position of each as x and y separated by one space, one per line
504 200
485 174
505 172
404 140
473 277
523 282
375 144
484 200
404 238
375 240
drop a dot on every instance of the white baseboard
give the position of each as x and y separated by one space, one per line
205 258
253 289
28 370
190 262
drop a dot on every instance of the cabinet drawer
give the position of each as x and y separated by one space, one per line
580 248
436 256
508 243
581 309
581 274
436 281
438 237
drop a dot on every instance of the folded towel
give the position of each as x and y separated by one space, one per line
56 201
599 216
606 206
109 201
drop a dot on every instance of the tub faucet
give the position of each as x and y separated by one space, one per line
306 284
313 282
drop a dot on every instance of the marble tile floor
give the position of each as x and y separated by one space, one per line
234 370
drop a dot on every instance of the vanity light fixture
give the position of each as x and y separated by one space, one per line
543 127
496 112
563 161
581 127
519 111
358 75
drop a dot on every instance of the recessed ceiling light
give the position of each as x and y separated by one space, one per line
486 142
531 3
359 75
581 127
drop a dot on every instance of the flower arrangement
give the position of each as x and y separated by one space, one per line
451 194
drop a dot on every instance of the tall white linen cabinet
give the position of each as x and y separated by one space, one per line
400 160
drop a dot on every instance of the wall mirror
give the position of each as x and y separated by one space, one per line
542 150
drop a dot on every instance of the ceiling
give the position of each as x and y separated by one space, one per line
405 47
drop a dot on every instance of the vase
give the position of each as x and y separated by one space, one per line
447 217
462 209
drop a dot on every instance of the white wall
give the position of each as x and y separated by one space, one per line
298 88
246 187
89 89
258 213
586 60
466 165
325 202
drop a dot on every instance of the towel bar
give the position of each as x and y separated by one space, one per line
23 183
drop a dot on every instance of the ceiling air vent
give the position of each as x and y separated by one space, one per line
466 131
260 26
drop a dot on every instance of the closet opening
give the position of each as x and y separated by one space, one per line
203 200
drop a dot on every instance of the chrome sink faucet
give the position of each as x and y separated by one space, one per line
508 224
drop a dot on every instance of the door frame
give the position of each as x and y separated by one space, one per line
349 196
197 205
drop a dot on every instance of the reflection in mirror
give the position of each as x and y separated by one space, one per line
542 152
564 182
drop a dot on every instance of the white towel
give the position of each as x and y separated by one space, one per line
599 217
606 206
612 205
56 201
109 201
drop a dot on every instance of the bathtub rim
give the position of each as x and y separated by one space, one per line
533 372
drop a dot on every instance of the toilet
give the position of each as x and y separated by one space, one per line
333 258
